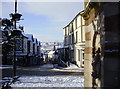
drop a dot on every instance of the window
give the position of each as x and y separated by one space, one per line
72 38
28 46
76 37
76 23
65 41
19 45
72 27
65 32
82 55
33 48
79 55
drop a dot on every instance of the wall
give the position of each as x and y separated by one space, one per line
102 31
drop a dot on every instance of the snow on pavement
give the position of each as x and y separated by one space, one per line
71 68
5 66
50 81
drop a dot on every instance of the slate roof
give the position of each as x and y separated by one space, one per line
35 41
30 37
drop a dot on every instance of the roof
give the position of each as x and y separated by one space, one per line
51 52
80 13
30 37
39 43
24 34
35 41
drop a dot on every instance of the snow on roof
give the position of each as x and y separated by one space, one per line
38 43
51 52
5 29
35 41
59 47
25 35
30 36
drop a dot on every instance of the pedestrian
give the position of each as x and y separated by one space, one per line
55 58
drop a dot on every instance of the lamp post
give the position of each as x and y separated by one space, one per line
14 60
16 33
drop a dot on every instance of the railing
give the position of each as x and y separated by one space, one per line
6 83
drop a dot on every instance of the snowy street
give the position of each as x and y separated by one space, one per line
42 70
48 75
49 81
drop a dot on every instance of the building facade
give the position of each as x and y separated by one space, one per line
74 39
101 64
39 49
23 47
19 47
35 43
30 49
39 55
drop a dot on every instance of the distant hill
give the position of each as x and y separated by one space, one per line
48 46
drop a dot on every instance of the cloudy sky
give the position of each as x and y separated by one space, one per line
44 20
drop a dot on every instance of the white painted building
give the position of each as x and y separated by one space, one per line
74 38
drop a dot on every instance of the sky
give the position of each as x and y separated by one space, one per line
45 20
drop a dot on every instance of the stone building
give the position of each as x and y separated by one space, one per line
35 43
20 50
30 49
74 39
39 49
39 56
101 64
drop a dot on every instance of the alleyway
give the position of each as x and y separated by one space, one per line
47 75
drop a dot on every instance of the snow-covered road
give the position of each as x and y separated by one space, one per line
50 81
48 75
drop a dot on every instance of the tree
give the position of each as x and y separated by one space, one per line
7 43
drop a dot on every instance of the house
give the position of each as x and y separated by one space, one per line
101 63
39 49
16 45
35 43
63 56
50 55
20 49
30 49
74 39
39 55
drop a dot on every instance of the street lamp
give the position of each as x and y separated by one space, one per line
15 33
15 16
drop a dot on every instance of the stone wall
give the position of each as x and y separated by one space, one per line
102 33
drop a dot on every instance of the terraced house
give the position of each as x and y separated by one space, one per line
25 48
20 50
74 39
30 49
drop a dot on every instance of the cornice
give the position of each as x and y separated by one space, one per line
87 10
